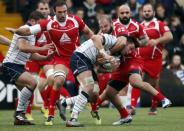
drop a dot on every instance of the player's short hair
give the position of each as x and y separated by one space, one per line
41 1
147 3
107 17
59 3
36 15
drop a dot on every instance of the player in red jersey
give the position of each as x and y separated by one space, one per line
34 67
130 70
158 34
134 29
64 32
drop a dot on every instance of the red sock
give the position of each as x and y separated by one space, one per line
123 112
54 96
154 103
99 101
134 96
159 96
28 110
64 92
45 96
93 106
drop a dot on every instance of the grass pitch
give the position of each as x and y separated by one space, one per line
171 119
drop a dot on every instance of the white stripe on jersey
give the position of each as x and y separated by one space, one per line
90 51
14 55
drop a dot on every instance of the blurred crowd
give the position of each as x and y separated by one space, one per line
168 11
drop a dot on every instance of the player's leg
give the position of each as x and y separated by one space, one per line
28 82
60 73
154 102
113 89
87 84
136 81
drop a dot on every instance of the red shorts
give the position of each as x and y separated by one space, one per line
62 60
130 65
153 67
70 76
103 80
42 74
35 66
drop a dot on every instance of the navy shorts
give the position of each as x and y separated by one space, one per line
80 63
10 72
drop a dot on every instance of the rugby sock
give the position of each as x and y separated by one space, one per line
99 101
64 92
28 110
25 95
45 96
94 106
54 96
154 103
135 94
79 104
123 112
159 96
71 100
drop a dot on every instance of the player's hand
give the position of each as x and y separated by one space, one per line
50 54
12 30
47 47
100 59
153 42
121 40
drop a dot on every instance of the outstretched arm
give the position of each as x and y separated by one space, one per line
24 46
4 40
25 31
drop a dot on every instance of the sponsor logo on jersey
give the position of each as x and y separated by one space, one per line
65 38
42 39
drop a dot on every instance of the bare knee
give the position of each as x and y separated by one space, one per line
32 84
58 82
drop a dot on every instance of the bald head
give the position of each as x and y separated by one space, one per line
124 14
124 7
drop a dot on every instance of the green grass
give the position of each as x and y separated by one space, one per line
171 119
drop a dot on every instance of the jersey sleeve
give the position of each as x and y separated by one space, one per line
109 41
141 31
80 22
163 27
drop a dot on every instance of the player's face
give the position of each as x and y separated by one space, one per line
61 13
105 26
44 9
124 15
148 12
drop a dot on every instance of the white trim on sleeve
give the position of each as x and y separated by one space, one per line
35 29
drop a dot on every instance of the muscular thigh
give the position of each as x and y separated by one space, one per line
26 79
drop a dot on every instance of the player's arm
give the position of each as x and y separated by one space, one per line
143 38
4 40
38 57
88 32
99 42
24 46
166 35
121 42
25 31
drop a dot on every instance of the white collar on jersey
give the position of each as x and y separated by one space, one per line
147 22
61 23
